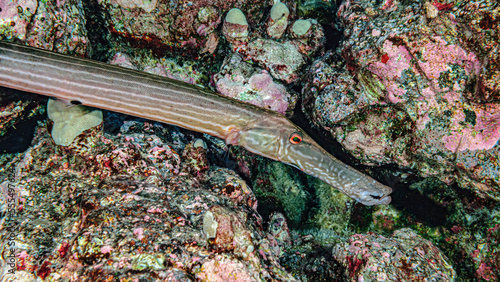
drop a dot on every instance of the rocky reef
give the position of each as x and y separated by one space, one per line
408 87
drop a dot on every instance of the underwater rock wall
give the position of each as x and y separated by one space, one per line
416 85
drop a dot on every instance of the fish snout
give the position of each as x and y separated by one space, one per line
370 198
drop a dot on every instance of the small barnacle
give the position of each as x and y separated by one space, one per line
200 143
300 27
235 26
210 225
431 10
278 20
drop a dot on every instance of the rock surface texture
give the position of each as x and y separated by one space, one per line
416 85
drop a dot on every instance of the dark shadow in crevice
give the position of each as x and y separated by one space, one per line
97 30
18 139
421 207
333 37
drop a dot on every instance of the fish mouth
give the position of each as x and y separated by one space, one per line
368 198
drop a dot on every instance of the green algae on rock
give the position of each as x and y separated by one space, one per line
277 183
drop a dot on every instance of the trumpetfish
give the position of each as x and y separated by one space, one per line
135 93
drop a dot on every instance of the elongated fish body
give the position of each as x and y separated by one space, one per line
140 94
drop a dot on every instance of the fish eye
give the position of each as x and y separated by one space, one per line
295 138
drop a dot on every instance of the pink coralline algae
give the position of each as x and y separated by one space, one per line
221 269
405 256
168 68
240 80
282 60
395 60
483 135
232 187
126 211
14 17
425 63
51 25
282 57
487 256
181 25
434 57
